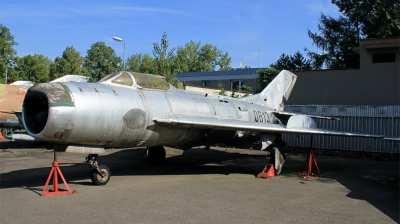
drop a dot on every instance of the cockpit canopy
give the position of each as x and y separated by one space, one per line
135 80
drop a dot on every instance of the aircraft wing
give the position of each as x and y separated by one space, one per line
207 122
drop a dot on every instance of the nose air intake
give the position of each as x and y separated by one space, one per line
38 103
35 111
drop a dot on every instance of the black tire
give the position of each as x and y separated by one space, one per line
97 179
156 155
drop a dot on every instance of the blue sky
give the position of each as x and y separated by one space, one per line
48 27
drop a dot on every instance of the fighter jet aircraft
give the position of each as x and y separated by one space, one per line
128 109
11 98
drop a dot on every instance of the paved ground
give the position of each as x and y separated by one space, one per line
196 186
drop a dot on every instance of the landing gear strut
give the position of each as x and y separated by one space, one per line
154 155
276 162
278 155
100 174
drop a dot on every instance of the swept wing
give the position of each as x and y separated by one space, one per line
203 122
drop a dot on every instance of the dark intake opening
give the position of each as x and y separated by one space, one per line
35 111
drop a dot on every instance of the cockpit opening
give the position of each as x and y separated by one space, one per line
136 80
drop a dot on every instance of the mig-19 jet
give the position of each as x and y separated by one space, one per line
129 109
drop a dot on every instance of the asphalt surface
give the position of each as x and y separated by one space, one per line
196 186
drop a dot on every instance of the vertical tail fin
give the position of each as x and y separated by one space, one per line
276 93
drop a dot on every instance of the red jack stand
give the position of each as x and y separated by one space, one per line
56 191
268 172
1 135
309 162
53 173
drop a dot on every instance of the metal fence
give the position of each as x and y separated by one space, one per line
382 120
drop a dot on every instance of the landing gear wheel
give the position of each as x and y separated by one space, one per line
155 155
98 179
7 132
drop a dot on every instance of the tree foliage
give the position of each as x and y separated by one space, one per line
374 19
163 57
265 76
292 62
69 63
222 91
187 58
33 68
360 19
195 58
335 38
101 61
7 52
192 57
143 63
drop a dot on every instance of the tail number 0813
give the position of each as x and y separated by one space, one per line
261 116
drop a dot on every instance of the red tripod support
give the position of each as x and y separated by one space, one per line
309 162
54 172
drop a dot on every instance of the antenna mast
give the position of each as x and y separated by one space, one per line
242 63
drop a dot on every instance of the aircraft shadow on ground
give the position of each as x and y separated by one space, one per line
199 161
385 197
129 163
23 144
376 182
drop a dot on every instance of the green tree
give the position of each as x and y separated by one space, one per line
188 58
101 61
265 76
224 61
374 19
292 62
172 79
247 90
133 63
360 19
222 91
163 57
7 52
69 63
140 63
211 57
195 58
148 65
335 38
34 68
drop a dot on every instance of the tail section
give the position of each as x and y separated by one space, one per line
276 93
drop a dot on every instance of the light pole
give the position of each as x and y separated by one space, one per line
119 39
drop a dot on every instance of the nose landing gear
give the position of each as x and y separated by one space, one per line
100 174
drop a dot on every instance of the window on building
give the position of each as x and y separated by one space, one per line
383 57
207 84
236 85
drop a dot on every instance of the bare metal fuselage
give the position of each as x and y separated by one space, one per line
113 116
